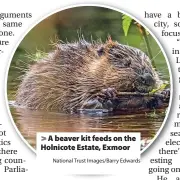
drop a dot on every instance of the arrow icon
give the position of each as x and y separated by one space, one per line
43 138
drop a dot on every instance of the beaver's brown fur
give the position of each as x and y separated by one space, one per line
75 73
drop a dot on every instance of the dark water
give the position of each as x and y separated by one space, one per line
30 122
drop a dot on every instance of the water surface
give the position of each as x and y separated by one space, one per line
30 122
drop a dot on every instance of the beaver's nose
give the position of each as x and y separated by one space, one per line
147 79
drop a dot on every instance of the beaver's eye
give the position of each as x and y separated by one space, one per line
100 51
118 56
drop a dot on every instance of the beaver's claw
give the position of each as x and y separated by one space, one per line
109 93
107 97
103 100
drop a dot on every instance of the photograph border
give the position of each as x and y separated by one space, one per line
31 26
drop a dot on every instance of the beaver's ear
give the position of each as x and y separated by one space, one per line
100 51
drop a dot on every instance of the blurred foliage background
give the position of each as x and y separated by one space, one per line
94 23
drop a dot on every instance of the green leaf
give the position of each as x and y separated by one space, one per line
161 88
126 23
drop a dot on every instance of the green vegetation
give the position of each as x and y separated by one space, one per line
152 115
126 22
161 88
39 54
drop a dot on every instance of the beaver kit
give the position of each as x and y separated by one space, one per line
91 76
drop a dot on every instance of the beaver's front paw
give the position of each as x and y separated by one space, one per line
103 100
166 94
108 97
98 103
93 103
109 93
